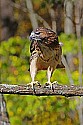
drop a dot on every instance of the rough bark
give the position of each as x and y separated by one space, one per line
53 19
68 17
42 90
78 16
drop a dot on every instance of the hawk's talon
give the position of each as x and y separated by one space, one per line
49 84
55 82
33 83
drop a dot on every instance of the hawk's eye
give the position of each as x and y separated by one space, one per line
37 33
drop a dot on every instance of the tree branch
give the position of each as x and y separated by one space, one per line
42 90
67 69
31 14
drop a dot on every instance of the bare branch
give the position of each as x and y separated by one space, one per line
27 11
31 14
67 70
18 6
53 18
42 20
42 90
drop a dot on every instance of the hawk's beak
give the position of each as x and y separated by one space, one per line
32 36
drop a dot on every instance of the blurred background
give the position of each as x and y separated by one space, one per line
17 19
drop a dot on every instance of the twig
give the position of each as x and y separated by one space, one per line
42 20
42 90
67 70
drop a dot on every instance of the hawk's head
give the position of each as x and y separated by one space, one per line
45 36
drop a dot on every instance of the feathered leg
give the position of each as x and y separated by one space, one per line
33 71
49 74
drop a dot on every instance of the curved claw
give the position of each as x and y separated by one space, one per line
55 82
49 84
33 83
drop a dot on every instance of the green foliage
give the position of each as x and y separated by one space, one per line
14 62
70 42
23 110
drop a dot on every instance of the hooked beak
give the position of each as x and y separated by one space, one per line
32 36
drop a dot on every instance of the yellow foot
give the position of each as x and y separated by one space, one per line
51 84
33 83
55 82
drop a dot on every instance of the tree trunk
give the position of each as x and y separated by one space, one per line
69 29
78 15
52 15
68 17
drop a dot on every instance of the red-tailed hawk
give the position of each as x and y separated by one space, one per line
45 51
